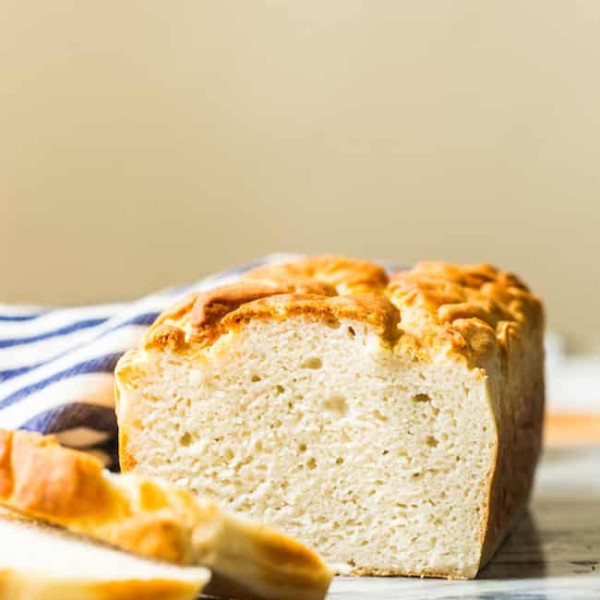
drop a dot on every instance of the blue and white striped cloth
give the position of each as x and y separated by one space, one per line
56 365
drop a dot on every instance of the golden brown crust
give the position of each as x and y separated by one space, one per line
165 336
347 276
375 310
46 481
6 472
447 292
477 310
42 479
211 307
474 312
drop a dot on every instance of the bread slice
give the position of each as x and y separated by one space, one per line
43 480
392 423
39 562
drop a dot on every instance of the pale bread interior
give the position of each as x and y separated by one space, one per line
379 461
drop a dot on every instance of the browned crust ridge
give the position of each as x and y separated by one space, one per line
473 311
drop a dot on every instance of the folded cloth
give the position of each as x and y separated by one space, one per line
56 365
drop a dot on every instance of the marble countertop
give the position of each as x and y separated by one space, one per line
554 554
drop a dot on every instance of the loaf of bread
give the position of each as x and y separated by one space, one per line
43 480
392 422
39 562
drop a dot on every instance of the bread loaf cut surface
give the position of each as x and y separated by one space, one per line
392 423
148 517
39 562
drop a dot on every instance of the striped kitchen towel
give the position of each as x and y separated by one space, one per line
56 365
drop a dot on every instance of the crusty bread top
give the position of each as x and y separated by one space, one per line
42 479
470 311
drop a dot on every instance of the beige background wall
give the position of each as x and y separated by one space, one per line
147 143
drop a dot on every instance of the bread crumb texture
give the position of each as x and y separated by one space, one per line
392 422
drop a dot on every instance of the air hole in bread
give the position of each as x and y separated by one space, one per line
311 463
339 460
421 398
380 416
351 332
186 439
279 389
312 363
336 405
431 441
302 447
255 378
